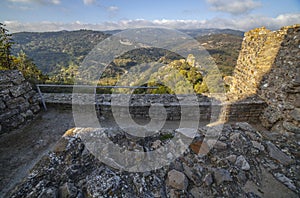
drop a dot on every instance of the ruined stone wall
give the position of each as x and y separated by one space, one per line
18 101
269 67
210 109
259 50
280 88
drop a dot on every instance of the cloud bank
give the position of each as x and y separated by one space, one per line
242 23
235 7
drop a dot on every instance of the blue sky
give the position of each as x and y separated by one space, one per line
53 15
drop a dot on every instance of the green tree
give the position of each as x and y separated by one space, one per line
66 75
5 47
30 71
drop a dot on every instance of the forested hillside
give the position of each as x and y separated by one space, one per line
59 54
224 48
51 51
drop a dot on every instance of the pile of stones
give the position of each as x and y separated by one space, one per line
238 165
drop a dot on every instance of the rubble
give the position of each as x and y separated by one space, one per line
71 170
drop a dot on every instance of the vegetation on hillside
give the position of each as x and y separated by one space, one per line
59 54
52 51
224 48
20 62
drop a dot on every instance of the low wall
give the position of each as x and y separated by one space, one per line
18 101
210 109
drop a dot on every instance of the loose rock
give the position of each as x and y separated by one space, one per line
177 180
222 175
242 163
278 155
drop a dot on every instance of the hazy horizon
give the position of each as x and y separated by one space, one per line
58 15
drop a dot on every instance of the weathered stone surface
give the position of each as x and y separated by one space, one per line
208 179
177 180
242 163
48 193
258 145
296 102
192 174
18 90
291 127
222 175
267 67
247 110
270 116
282 94
2 105
220 145
278 155
296 114
35 108
17 100
9 113
288 182
68 190
245 126
259 50
14 103
231 158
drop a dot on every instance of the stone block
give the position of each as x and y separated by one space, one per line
14 103
17 90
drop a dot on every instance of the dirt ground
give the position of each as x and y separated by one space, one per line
22 148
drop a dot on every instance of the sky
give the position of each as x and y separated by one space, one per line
56 15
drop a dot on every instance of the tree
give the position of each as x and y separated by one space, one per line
5 47
66 75
24 64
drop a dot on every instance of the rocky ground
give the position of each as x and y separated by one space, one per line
244 162
22 148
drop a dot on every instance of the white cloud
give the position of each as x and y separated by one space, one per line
242 23
113 8
235 7
55 2
89 2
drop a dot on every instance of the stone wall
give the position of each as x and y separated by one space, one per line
259 50
18 101
210 109
280 88
269 67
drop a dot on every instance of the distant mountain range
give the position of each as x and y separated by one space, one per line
197 32
51 51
